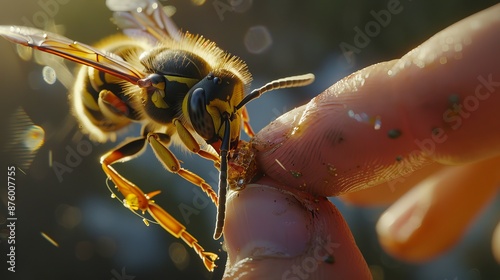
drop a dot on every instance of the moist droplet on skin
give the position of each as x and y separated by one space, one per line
295 174
377 123
363 117
332 170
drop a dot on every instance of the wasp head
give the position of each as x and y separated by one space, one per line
211 103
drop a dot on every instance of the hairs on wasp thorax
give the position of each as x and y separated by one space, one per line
177 85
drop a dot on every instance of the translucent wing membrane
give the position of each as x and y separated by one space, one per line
72 50
145 18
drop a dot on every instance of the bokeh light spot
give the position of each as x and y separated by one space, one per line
258 39
68 216
34 137
179 255
49 75
84 250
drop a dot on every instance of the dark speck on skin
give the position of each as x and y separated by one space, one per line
330 259
394 133
454 99
334 136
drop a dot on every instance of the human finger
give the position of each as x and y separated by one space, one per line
423 108
442 206
273 232
388 192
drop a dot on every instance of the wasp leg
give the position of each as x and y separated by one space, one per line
246 123
135 199
133 148
124 152
191 143
171 163
178 230
112 106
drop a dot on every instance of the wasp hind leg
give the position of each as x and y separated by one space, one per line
178 230
136 199
124 152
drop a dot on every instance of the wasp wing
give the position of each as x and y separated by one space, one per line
145 18
72 50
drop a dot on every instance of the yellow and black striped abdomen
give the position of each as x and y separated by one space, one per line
100 101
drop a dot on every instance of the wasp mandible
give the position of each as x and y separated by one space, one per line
179 86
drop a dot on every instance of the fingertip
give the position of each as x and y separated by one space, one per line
432 217
272 233
264 221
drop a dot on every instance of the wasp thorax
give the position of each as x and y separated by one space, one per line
174 73
178 63
162 96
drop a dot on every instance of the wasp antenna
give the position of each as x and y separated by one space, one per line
288 82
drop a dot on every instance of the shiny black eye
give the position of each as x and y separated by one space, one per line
201 120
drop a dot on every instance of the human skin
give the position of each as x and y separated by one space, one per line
428 122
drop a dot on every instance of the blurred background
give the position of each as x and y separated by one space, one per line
62 193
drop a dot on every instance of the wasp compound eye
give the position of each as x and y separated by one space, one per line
200 118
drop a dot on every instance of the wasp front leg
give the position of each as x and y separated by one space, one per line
191 143
246 123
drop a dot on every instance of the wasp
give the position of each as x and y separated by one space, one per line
181 87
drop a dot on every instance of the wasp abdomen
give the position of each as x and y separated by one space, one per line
100 100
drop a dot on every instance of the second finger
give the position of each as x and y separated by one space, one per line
442 206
